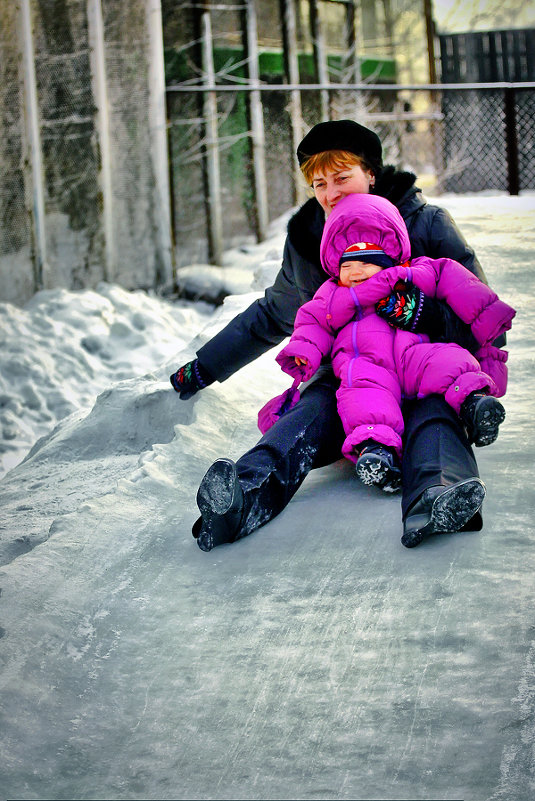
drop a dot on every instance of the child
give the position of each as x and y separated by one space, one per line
365 249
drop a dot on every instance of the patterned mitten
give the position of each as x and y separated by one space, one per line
403 307
190 378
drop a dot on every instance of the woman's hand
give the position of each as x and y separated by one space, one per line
300 362
190 378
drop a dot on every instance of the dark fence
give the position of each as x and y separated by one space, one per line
488 131
488 56
488 138
456 138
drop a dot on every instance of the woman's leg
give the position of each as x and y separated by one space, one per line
437 456
308 436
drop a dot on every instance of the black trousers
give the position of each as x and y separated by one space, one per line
436 451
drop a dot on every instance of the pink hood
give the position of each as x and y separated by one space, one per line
363 218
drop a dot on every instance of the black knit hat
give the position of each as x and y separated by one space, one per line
342 135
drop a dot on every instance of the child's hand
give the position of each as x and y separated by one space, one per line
300 362
402 307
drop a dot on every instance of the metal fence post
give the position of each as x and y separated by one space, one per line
292 74
97 60
37 211
354 74
320 58
159 146
511 141
212 144
257 123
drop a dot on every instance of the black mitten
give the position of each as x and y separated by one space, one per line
190 378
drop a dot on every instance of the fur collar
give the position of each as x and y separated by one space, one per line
394 185
305 229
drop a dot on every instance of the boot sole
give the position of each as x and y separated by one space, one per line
219 499
489 414
373 471
449 512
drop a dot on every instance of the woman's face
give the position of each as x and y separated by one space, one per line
332 185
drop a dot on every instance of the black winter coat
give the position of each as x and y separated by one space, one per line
269 320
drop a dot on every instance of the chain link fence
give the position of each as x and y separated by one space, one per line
454 139
476 133
525 116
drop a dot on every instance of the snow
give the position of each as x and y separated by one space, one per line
317 658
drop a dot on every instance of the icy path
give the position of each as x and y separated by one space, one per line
315 659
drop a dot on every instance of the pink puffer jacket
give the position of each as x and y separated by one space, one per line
365 350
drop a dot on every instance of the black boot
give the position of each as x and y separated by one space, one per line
482 415
378 465
443 509
221 503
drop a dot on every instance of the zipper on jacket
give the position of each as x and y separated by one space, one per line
354 328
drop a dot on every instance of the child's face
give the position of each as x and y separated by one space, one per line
353 273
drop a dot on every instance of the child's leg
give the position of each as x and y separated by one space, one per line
442 368
371 414
482 415
378 465
369 407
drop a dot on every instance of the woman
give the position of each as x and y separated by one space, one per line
440 482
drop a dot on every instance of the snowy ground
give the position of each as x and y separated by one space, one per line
316 659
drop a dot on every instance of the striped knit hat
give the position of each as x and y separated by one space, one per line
366 251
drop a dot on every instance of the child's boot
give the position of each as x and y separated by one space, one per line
482 415
379 465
